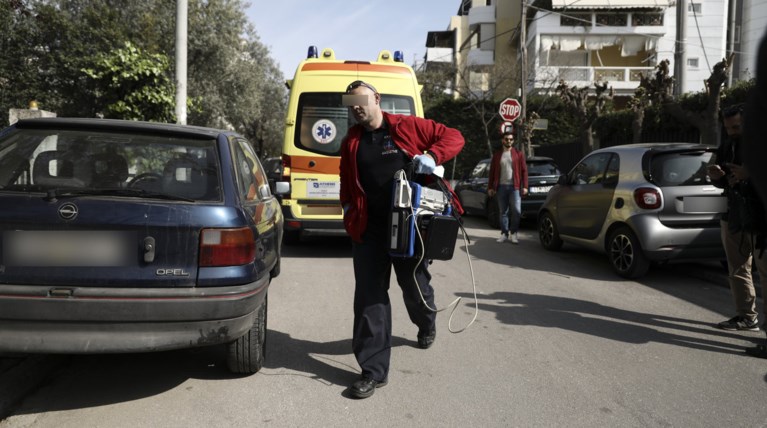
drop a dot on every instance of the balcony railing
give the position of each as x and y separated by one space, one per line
618 77
481 15
439 55
481 57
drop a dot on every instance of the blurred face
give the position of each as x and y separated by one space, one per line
508 141
733 125
366 114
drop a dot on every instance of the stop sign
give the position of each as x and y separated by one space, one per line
510 109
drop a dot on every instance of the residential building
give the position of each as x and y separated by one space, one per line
477 45
746 29
584 41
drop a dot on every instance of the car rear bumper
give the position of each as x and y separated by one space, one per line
530 207
106 320
320 227
661 242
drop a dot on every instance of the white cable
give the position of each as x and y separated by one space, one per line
455 302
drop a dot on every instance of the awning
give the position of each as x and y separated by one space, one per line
609 4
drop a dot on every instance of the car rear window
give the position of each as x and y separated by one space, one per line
542 168
114 163
680 168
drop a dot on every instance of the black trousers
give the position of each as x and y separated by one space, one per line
371 340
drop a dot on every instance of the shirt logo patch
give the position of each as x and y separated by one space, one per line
388 146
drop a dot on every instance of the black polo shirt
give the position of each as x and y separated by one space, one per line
378 158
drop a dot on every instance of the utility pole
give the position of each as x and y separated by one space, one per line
680 55
182 8
523 75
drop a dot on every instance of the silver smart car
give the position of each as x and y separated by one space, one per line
637 203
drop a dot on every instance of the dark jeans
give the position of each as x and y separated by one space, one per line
509 200
371 341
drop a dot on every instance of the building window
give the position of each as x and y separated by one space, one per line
693 62
572 19
612 19
638 19
695 7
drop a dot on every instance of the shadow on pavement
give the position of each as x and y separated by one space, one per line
109 379
594 319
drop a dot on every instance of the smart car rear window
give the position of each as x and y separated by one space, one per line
680 168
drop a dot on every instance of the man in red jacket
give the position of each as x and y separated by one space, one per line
508 183
372 151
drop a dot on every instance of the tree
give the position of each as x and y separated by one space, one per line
704 119
233 81
586 108
133 84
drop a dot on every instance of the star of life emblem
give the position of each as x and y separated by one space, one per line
324 131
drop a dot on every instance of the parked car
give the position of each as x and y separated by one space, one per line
542 174
638 204
273 170
122 236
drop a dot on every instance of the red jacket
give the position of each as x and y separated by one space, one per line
412 135
519 173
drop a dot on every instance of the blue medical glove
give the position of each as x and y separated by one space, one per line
424 164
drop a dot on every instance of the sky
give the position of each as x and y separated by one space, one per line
354 29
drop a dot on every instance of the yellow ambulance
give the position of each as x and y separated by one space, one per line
315 125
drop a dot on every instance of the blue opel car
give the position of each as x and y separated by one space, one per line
121 236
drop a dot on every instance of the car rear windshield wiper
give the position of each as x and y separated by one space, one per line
53 194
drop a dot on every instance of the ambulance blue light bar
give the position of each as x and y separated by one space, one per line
399 56
313 52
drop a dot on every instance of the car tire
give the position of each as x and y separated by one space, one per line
493 213
626 255
548 233
246 355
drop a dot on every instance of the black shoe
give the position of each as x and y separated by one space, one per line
365 387
739 323
425 340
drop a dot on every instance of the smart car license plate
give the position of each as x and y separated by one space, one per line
704 204
540 189
65 248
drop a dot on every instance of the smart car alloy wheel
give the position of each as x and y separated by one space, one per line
548 234
626 254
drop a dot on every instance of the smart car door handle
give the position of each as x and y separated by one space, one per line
149 249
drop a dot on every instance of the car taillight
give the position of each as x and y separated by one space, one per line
227 247
285 168
647 198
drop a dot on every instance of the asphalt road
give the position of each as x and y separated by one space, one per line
559 341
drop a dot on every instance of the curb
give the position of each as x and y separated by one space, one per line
21 375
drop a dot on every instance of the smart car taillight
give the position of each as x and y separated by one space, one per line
227 247
647 198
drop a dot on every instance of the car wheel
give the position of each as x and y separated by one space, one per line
246 355
548 233
493 214
626 255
